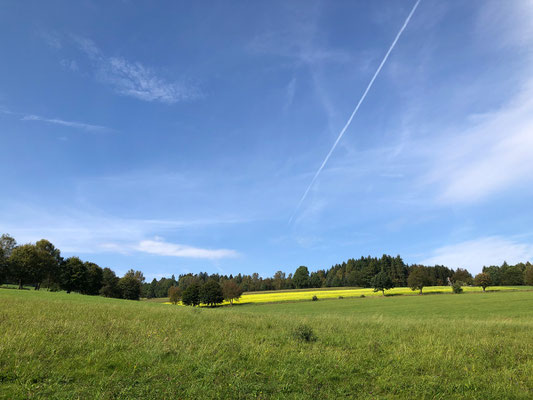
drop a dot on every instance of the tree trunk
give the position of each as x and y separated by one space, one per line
383 292
20 283
421 290
483 288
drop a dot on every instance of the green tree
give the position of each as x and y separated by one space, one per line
418 278
512 275
109 284
174 294
482 280
23 261
95 276
381 282
136 274
31 264
3 267
191 295
51 257
462 275
7 245
301 277
279 280
129 287
74 275
231 291
211 293
314 280
528 275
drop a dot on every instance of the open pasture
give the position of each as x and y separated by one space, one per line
473 346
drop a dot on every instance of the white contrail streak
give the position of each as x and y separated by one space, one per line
356 107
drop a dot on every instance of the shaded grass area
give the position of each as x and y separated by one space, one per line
54 345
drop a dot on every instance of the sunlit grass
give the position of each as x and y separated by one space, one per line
468 346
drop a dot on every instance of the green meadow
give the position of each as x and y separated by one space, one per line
435 346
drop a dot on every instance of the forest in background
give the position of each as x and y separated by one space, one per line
41 265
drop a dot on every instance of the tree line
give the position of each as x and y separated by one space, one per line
40 264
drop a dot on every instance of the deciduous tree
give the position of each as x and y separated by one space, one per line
462 275
174 294
231 291
482 280
191 295
381 282
130 287
109 284
211 293
301 277
528 275
418 278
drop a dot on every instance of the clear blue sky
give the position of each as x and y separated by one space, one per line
181 137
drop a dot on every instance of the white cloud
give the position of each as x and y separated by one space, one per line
474 254
134 79
493 155
80 232
162 248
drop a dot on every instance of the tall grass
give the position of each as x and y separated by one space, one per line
54 345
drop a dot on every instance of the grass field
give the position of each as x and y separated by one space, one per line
473 346
335 293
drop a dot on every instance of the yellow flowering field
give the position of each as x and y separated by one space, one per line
307 294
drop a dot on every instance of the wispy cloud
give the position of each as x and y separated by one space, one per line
161 248
133 78
57 121
474 254
492 156
72 124
52 39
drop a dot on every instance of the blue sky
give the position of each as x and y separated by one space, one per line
181 138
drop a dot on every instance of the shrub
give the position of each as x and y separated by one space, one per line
362 296
315 298
457 287
304 333
340 297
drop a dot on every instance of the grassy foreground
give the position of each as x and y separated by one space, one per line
477 346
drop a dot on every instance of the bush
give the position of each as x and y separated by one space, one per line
304 333
340 297
457 287
362 296
315 298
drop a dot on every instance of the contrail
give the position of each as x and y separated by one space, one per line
356 107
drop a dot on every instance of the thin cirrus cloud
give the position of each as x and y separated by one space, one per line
133 78
58 121
474 254
71 124
162 248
